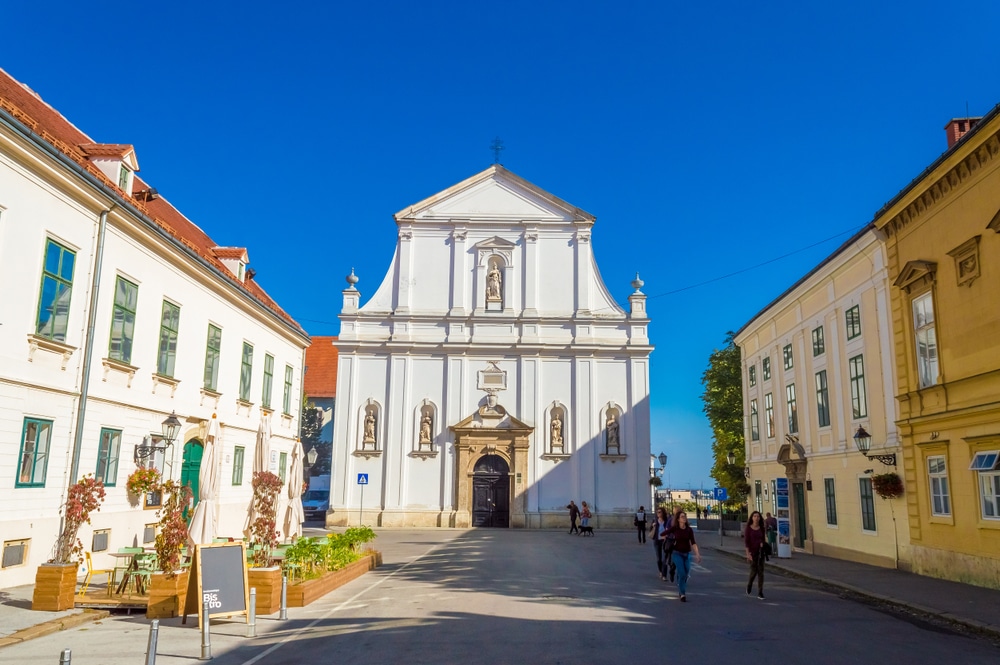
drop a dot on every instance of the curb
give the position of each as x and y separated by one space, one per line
53 626
970 624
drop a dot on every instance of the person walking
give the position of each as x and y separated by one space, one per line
684 546
669 545
585 514
574 513
771 527
754 537
640 523
658 531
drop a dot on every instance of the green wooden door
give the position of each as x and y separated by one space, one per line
191 468
800 514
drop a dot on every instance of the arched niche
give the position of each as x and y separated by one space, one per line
426 429
370 429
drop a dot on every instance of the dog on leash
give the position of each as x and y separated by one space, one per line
586 530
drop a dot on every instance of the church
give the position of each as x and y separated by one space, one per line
491 378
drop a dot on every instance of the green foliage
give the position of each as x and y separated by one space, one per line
723 404
313 557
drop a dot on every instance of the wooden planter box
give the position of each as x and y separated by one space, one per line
167 595
267 581
55 587
303 593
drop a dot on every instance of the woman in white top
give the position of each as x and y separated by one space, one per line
640 523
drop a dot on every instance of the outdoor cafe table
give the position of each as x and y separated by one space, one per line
132 567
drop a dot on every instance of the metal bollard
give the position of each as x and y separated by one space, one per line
154 633
252 615
206 635
283 614
65 657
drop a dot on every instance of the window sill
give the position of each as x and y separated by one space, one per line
211 395
36 342
424 454
242 404
266 410
989 523
28 485
119 366
171 382
286 416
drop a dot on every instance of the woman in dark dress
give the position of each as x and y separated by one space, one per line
754 537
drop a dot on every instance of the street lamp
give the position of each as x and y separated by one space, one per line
311 457
171 428
863 441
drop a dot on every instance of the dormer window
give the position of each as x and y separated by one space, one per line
117 161
236 261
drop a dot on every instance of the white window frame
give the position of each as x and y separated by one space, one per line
769 415
925 339
937 483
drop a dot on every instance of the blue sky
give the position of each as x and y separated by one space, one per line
707 138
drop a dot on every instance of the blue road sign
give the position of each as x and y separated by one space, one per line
720 494
362 479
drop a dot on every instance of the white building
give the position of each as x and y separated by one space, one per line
491 378
118 311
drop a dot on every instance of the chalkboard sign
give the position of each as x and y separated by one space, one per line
218 575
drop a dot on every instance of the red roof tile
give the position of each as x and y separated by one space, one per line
29 109
230 252
321 368
106 149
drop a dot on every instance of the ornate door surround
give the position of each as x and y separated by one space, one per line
491 431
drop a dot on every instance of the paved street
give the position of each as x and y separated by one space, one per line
536 597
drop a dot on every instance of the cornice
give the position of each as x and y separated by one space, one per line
954 178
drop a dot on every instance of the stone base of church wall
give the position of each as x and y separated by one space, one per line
403 519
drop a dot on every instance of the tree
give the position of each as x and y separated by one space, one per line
723 399
311 433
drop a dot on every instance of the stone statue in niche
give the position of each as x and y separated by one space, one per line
555 432
369 436
493 284
611 428
425 429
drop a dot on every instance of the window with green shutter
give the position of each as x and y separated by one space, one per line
213 349
54 294
34 458
246 372
170 316
265 398
123 320
107 456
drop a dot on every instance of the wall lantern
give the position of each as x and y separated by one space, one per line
863 440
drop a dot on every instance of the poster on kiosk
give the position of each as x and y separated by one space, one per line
784 522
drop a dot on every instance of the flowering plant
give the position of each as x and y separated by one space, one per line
83 498
143 481
173 527
263 532
887 485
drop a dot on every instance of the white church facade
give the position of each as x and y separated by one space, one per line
491 378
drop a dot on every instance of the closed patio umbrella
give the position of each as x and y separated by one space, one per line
294 516
261 455
203 525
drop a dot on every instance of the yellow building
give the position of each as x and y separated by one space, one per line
817 365
943 249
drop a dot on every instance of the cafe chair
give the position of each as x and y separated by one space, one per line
91 571
139 576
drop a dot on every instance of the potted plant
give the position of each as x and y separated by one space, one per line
263 529
168 586
887 485
55 581
324 566
142 481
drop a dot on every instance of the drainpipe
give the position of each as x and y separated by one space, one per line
88 351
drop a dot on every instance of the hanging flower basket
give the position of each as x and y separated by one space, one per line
143 481
655 482
888 485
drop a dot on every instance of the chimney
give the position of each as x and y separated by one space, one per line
959 127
